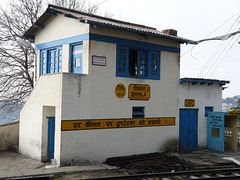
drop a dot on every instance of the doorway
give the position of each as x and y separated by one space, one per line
188 129
51 137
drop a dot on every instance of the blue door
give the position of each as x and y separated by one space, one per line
188 129
51 135
216 130
77 58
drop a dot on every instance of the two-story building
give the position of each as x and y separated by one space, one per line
103 88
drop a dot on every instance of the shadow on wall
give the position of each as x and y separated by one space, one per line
9 136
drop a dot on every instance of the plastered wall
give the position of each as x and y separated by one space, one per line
9 135
203 95
46 95
91 95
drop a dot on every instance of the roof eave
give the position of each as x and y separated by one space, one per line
203 81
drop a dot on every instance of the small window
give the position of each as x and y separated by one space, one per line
51 60
215 132
138 112
208 109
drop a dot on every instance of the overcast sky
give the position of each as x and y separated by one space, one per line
193 19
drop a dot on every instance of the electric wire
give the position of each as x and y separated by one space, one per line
207 68
101 3
212 31
216 69
219 61
221 53
231 68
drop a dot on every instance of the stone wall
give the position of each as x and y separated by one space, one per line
9 135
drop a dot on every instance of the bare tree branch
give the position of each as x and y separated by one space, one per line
16 62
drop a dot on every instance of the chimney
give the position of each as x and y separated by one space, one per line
172 32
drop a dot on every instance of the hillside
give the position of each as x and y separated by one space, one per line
229 102
9 117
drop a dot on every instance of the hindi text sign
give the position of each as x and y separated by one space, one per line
138 92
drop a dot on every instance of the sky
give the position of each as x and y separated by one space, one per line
195 20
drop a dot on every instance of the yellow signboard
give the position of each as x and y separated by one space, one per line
120 90
189 102
234 113
138 92
116 123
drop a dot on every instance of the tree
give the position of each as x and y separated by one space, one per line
17 62
236 108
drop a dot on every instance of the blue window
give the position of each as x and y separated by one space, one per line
51 60
208 109
138 63
138 112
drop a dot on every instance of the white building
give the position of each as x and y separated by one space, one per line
103 88
197 97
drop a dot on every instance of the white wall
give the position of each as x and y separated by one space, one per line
57 28
60 27
47 92
93 96
204 95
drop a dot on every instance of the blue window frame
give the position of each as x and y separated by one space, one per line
138 63
51 60
208 109
138 112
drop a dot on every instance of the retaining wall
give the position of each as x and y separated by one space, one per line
9 135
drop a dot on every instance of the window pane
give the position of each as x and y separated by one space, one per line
154 64
142 63
122 56
51 60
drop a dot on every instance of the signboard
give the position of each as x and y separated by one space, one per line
116 123
189 103
99 60
138 92
234 113
77 51
120 90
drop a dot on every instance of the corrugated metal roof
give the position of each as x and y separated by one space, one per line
202 81
99 21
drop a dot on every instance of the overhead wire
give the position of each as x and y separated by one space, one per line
212 61
212 31
216 69
101 3
222 54
233 65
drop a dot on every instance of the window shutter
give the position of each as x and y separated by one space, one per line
154 65
122 61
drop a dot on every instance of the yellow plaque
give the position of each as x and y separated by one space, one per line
234 113
138 92
116 123
189 103
120 90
